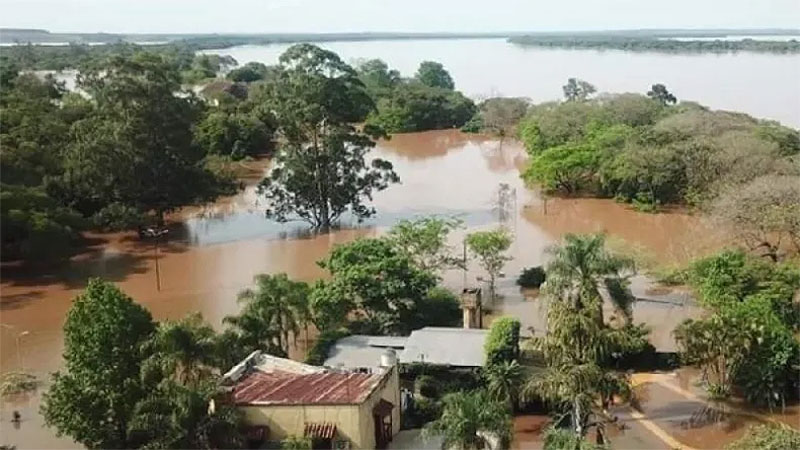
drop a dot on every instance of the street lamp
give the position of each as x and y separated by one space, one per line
18 338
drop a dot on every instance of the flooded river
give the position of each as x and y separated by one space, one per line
762 85
214 251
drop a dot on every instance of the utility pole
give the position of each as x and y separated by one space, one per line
157 235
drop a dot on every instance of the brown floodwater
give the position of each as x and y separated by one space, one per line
213 252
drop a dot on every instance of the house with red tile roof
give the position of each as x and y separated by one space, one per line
335 408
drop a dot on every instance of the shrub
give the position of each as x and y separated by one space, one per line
426 410
296 443
531 277
502 344
427 386
318 353
767 437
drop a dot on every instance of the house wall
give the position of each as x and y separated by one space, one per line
389 391
289 420
353 422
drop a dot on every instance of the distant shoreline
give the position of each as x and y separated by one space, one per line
223 40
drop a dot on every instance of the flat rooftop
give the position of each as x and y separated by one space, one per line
457 347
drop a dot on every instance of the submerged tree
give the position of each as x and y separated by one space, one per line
425 242
321 171
578 90
581 267
764 213
660 93
137 149
490 247
433 74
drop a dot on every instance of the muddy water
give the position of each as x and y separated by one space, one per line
216 250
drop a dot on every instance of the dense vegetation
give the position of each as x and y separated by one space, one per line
125 149
132 144
748 342
639 149
428 101
320 171
654 44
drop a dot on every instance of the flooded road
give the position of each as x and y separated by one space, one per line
217 250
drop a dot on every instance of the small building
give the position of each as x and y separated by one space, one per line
335 408
455 347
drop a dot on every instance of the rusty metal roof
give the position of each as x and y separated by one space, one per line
286 388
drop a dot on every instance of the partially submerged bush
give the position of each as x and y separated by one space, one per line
767 437
531 277
17 383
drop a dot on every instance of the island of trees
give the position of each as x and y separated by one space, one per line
656 44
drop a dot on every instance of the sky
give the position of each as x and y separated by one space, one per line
274 16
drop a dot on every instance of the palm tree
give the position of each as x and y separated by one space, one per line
470 420
581 267
579 344
582 391
272 311
182 350
502 382
177 416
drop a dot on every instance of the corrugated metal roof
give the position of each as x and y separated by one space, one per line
285 388
460 347
361 350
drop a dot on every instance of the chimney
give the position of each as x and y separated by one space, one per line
471 308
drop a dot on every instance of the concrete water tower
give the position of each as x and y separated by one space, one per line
388 358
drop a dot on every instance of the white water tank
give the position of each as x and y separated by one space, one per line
388 358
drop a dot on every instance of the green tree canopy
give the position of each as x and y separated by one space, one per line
178 416
93 399
489 247
248 73
371 279
660 93
137 149
502 344
272 312
433 74
747 340
321 171
578 90
470 419
424 240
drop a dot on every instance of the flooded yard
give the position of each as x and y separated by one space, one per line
213 252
